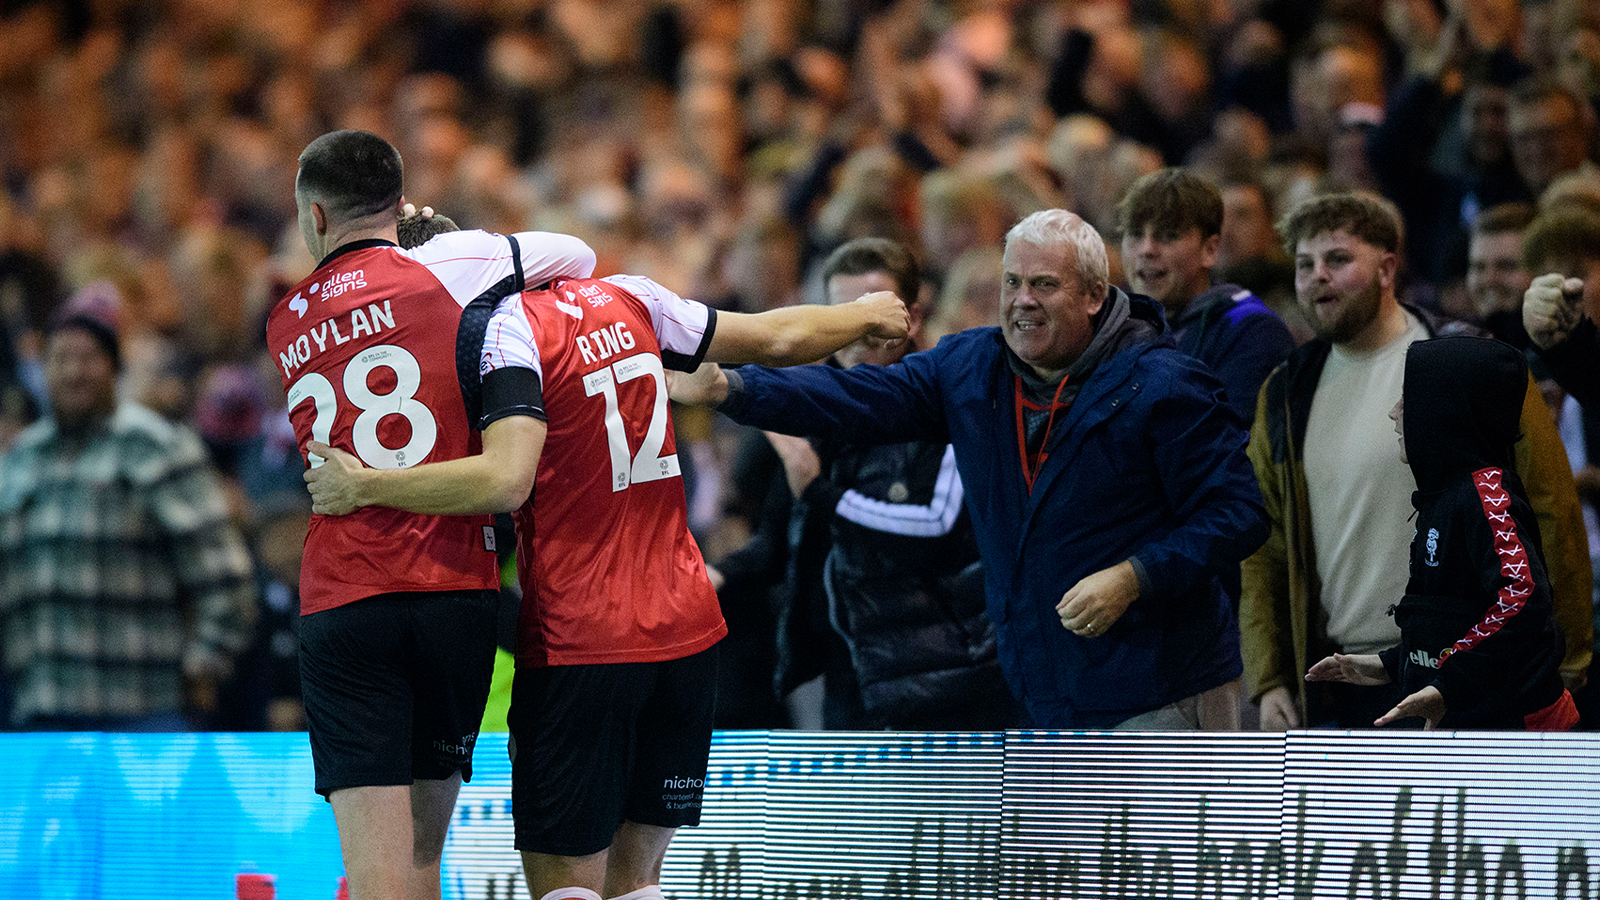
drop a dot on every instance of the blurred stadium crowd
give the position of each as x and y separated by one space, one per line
722 147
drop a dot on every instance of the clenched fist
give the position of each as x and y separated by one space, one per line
890 320
1551 308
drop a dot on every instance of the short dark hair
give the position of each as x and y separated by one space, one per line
1173 201
1368 217
1504 218
353 174
874 254
415 230
1569 232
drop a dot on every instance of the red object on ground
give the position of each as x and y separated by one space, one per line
251 886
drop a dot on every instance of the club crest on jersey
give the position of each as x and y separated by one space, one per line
1433 547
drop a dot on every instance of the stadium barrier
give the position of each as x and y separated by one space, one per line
805 816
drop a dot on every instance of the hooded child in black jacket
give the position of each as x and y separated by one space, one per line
1478 647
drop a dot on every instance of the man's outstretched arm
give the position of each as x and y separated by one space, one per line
793 335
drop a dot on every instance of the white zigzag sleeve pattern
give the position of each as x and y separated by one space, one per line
1513 560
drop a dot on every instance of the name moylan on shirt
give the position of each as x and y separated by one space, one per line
368 321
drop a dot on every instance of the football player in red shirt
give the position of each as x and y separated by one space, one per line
611 708
398 609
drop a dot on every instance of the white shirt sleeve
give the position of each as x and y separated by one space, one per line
680 324
932 520
547 255
468 263
508 341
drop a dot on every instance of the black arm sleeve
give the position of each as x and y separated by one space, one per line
512 391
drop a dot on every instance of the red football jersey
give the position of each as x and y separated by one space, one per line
366 346
610 573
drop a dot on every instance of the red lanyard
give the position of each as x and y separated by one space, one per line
1030 470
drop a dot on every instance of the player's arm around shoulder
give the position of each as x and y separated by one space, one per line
548 255
793 335
497 480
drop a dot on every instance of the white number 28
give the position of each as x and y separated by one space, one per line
402 401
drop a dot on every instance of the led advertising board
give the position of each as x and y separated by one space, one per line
806 816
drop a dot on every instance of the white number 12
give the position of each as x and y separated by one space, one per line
648 464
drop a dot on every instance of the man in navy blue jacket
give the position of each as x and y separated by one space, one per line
1106 481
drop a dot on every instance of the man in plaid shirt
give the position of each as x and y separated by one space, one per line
124 590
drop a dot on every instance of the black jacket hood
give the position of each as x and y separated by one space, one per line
1463 405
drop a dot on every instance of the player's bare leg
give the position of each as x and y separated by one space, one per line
636 856
432 804
546 872
375 839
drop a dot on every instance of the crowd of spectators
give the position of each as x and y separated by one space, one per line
724 148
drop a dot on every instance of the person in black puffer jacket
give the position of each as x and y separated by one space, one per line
1478 647
903 585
